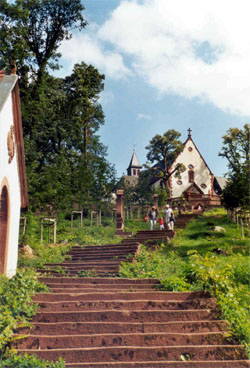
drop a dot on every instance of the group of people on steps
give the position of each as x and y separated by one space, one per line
167 220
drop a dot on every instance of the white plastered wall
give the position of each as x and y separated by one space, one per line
202 174
9 174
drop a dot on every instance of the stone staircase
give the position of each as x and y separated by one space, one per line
106 321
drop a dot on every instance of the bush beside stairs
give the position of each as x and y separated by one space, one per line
106 321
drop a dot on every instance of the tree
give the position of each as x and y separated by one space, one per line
162 151
31 32
236 149
65 159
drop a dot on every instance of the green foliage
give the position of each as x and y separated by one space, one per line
134 225
67 236
16 304
162 151
32 30
43 253
65 160
28 361
236 149
160 264
219 282
198 258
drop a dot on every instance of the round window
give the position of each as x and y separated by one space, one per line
203 185
179 182
190 166
190 149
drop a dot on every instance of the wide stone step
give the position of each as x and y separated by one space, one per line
101 340
165 364
101 267
111 255
126 316
76 328
99 263
129 354
124 245
121 258
99 281
130 294
77 273
126 305
118 287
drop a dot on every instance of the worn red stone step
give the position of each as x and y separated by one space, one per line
65 287
103 257
165 364
70 273
100 281
101 340
89 265
126 305
129 294
109 262
112 255
127 353
101 271
130 248
125 250
126 316
131 244
73 270
77 273
76 328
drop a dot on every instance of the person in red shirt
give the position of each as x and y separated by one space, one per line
161 222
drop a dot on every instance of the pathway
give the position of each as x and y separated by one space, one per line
107 321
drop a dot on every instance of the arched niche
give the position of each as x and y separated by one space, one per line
4 219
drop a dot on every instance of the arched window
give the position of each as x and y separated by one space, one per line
191 176
4 215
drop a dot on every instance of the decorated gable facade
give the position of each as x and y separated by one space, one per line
197 183
13 187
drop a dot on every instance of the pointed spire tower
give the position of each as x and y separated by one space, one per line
134 167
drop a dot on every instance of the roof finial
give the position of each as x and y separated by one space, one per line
189 133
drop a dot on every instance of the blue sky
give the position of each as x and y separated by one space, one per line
169 64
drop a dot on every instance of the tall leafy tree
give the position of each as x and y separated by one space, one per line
236 149
162 151
31 32
65 158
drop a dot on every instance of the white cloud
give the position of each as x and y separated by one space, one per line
190 48
141 116
86 47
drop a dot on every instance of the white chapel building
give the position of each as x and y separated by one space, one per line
13 185
197 184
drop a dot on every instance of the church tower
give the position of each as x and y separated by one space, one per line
134 167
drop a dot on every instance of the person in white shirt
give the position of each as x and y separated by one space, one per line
153 214
169 217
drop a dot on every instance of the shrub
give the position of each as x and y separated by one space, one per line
28 361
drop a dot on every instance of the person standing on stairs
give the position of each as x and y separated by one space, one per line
169 217
153 214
